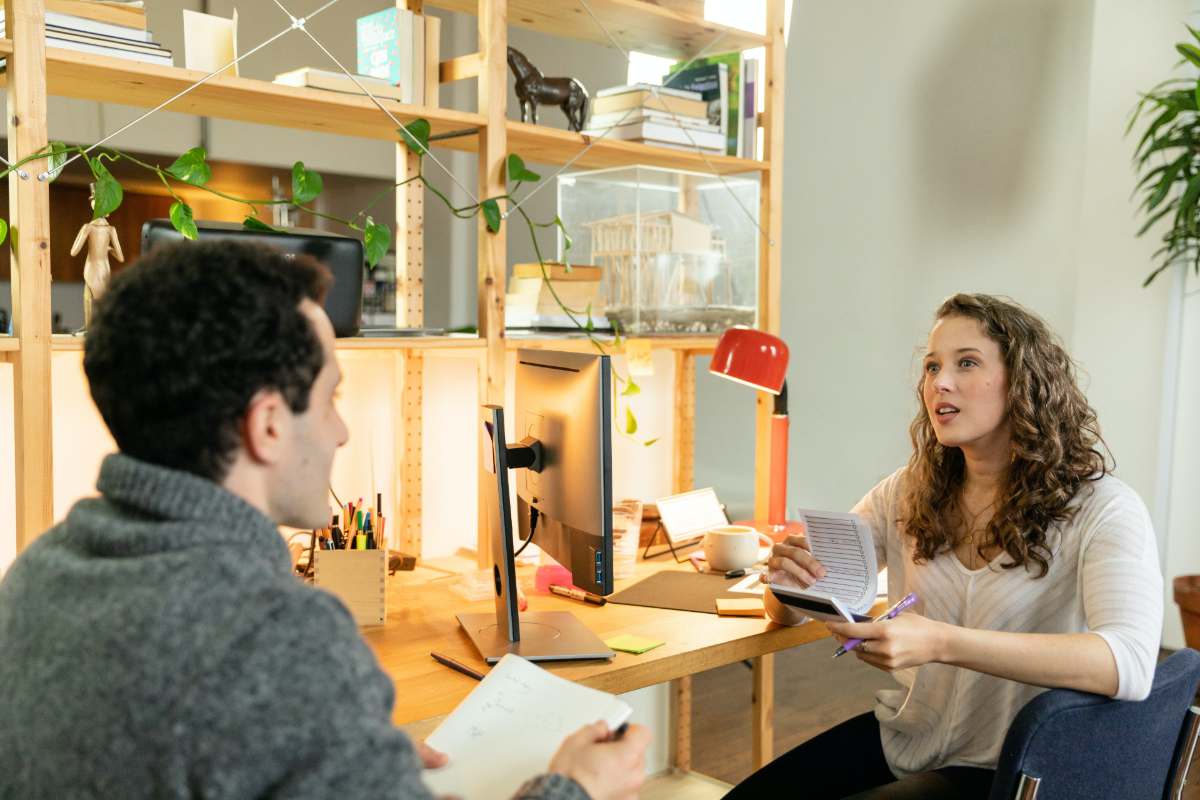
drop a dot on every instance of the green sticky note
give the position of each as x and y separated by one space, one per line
633 644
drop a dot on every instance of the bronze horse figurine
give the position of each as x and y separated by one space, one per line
533 87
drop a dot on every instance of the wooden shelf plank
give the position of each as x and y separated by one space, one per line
537 143
9 344
675 29
115 80
63 343
696 344
358 344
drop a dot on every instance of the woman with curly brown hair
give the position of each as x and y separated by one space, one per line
1035 567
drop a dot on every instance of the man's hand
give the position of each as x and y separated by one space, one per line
606 768
430 758
791 564
909 640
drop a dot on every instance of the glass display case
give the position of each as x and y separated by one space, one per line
678 250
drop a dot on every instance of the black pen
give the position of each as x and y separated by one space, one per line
456 666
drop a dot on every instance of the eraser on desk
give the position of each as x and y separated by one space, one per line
749 607
633 644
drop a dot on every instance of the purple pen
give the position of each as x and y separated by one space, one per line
904 603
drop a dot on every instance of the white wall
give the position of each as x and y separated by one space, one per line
963 146
930 148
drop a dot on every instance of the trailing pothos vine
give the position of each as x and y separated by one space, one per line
192 170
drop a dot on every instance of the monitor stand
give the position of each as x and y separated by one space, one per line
535 635
545 636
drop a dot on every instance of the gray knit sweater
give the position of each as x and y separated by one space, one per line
155 644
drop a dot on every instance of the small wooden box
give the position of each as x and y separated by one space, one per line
358 578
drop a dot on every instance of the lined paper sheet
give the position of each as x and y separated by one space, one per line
845 547
508 728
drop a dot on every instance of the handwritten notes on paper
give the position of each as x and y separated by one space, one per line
844 546
508 728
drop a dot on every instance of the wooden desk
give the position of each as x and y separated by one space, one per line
421 619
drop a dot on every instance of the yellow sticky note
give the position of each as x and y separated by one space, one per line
633 644
749 607
637 351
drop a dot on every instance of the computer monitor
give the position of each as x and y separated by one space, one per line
341 254
563 470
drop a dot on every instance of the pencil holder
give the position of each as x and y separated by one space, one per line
356 577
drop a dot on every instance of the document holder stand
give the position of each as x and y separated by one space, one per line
670 548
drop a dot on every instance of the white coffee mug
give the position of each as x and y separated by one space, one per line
733 547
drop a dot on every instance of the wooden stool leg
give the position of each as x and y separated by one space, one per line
681 712
763 710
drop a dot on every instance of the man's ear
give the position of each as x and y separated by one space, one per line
265 427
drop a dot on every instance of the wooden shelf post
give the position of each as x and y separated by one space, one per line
29 239
770 246
410 312
493 146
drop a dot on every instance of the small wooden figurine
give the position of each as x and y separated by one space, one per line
533 87
101 237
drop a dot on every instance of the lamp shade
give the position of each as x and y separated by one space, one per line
752 357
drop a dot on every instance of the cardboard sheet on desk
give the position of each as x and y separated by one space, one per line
682 591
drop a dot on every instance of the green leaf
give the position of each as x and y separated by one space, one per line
589 326
566 236
1162 212
415 136
1190 52
256 224
57 160
630 422
631 388
1164 185
192 167
651 441
1197 94
1162 119
376 239
306 184
182 220
491 214
108 191
3 230
518 172
1187 205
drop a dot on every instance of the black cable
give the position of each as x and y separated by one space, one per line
533 518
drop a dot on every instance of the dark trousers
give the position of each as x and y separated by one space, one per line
847 761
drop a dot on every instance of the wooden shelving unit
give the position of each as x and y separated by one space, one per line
664 27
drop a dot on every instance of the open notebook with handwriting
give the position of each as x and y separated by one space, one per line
506 730
844 545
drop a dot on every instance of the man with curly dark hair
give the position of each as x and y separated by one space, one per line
155 643
1035 567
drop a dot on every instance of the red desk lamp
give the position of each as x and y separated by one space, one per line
759 359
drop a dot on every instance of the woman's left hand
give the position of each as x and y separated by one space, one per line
908 640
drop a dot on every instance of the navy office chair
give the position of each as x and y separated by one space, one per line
1068 745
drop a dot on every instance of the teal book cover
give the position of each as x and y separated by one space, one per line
378 45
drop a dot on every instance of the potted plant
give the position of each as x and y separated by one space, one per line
1167 161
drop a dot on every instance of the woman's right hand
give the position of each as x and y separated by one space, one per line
792 564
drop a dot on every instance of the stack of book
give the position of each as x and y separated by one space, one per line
729 84
530 303
657 115
339 82
111 28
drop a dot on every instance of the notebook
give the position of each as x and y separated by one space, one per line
506 731
844 545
